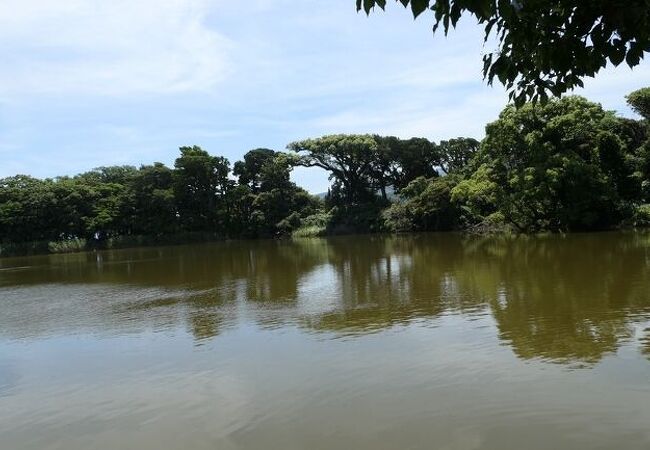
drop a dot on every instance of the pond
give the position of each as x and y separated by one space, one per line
424 341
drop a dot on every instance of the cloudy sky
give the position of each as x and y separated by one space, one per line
85 83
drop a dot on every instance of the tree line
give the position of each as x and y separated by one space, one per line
565 165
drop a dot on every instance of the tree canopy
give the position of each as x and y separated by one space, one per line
566 165
639 101
545 47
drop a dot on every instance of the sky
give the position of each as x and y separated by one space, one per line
88 83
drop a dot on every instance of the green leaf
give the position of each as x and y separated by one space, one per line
368 5
634 55
419 6
616 55
485 9
455 14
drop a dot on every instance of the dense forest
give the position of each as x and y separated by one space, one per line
562 165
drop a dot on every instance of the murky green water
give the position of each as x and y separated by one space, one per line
414 342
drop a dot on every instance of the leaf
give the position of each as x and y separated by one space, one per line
485 9
419 6
616 54
520 100
455 14
634 55
488 28
487 62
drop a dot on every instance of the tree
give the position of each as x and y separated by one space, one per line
639 100
73 208
110 174
348 158
425 205
25 209
556 167
637 135
268 201
155 207
456 154
200 183
546 46
106 201
249 171
410 159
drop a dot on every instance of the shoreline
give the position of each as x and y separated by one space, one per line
43 248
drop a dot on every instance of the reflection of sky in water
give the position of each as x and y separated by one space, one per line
254 387
8 376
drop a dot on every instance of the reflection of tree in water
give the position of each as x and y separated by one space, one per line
158 288
276 269
565 299
209 313
645 343
205 324
385 281
266 273
559 298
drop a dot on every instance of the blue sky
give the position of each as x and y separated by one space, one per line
86 83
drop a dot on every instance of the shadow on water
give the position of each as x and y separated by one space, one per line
564 299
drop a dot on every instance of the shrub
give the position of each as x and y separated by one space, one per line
67 246
289 223
398 217
314 225
312 231
23 248
642 216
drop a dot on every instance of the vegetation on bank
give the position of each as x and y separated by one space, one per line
567 165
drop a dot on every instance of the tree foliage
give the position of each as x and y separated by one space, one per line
640 102
565 165
545 46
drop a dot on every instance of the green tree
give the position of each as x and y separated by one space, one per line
154 202
639 136
107 201
200 184
270 203
409 159
25 209
546 46
249 171
455 155
639 100
349 160
477 196
425 205
73 207
557 167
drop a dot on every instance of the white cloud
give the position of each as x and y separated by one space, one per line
116 47
98 82
409 116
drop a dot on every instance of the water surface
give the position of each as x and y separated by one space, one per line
432 341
